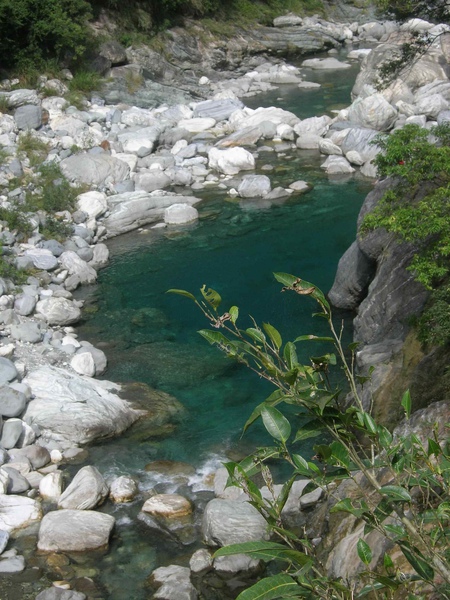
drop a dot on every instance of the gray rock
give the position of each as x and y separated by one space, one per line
12 402
8 371
17 484
337 165
13 564
360 140
253 186
151 181
24 304
87 490
15 166
174 583
37 455
18 512
29 331
4 539
96 169
11 432
354 273
123 489
18 98
131 210
332 64
373 112
77 266
231 160
180 213
42 259
85 254
74 531
72 409
217 109
114 52
227 522
315 125
28 116
57 593
58 311
100 256
143 137
328 147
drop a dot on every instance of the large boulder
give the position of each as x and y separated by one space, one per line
58 311
177 214
78 267
130 210
86 490
253 186
74 531
75 410
92 203
373 112
354 273
94 169
217 109
228 522
231 160
17 512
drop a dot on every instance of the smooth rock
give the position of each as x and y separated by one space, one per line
8 371
17 512
42 258
11 432
75 410
170 506
231 160
227 522
51 486
123 489
17 483
87 490
28 116
74 531
94 169
83 363
337 165
93 203
24 304
253 186
76 266
177 214
58 311
37 455
373 112
12 402
327 147
174 583
29 331
58 593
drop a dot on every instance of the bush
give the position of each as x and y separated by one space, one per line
402 483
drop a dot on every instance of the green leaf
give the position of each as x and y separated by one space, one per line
182 293
304 434
273 334
396 493
256 334
214 337
340 453
433 448
271 588
290 355
301 463
388 562
247 547
286 279
275 398
385 437
364 551
417 561
370 424
276 424
304 338
396 531
406 403
234 313
211 297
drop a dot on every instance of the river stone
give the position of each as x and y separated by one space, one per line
21 97
17 512
130 210
12 564
27 332
197 125
83 364
77 266
151 181
75 410
51 486
172 506
123 489
42 258
87 490
360 140
58 593
253 118
373 112
4 539
253 186
315 125
145 137
337 165
248 136
37 455
93 203
28 116
58 311
308 141
177 214
27 437
4 481
325 64
17 484
217 109
74 531
431 106
227 522
12 402
231 160
328 147
100 257
8 371
24 304
11 432
174 583
94 169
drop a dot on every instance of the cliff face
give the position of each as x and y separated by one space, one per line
373 279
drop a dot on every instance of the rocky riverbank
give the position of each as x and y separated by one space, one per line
142 166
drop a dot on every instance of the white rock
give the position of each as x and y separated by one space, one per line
51 486
17 512
77 266
58 311
168 505
180 213
325 63
354 158
83 363
431 106
197 125
328 147
92 203
231 160
315 125
337 165
123 489
373 112
87 490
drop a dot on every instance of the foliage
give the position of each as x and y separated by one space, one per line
85 81
416 208
33 147
34 30
437 11
410 508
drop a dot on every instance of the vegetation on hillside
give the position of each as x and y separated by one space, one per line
417 209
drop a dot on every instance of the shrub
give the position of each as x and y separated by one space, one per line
33 147
403 483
